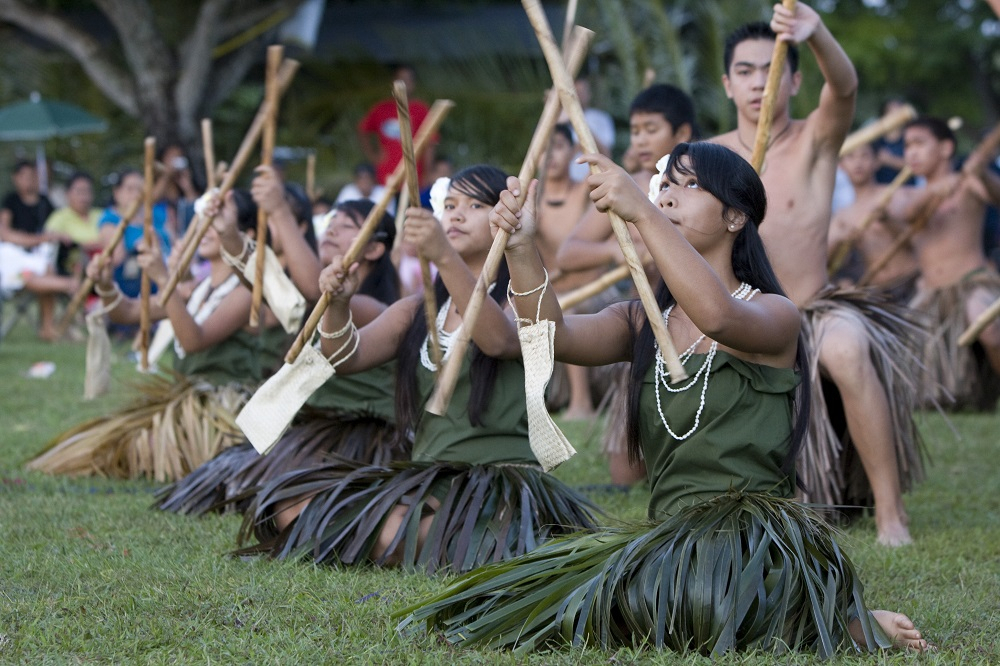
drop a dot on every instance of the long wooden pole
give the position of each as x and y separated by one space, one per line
764 122
439 110
568 24
839 254
571 103
979 325
208 149
580 294
102 258
285 76
311 177
145 286
448 377
275 54
878 129
413 192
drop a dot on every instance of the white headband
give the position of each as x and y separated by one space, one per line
657 181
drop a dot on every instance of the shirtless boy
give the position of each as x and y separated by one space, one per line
957 283
798 174
861 165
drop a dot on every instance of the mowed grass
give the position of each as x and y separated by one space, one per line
88 573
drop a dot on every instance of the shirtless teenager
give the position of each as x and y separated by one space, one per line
897 277
957 283
798 174
660 117
562 202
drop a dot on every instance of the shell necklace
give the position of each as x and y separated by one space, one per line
744 293
445 338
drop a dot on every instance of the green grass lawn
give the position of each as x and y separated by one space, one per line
88 573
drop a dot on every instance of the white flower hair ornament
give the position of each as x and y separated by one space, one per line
656 181
439 190
201 203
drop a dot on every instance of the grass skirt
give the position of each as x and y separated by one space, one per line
480 513
741 571
954 376
828 464
172 428
216 485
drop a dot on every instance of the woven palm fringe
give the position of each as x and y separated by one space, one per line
956 377
172 428
480 513
741 571
318 433
828 464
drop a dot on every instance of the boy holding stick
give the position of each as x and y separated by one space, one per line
851 338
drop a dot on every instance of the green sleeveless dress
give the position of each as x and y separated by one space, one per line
487 496
233 360
733 563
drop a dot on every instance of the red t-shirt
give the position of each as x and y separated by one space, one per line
382 120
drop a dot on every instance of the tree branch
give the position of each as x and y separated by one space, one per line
116 84
196 57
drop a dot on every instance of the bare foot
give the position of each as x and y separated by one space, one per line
900 630
48 335
893 527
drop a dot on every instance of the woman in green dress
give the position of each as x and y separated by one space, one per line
472 491
351 416
729 560
179 421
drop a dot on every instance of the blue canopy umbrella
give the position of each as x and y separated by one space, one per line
40 120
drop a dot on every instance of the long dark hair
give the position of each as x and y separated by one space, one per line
731 180
482 183
382 281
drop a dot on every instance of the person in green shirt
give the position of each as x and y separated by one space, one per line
729 560
77 221
473 491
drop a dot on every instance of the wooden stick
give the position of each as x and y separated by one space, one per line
439 110
285 75
839 254
145 286
766 118
102 258
580 294
413 192
986 149
568 24
275 53
567 93
311 177
448 377
208 148
979 325
878 129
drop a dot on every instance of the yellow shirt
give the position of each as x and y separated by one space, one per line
81 230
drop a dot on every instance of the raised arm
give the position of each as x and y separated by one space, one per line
767 325
831 120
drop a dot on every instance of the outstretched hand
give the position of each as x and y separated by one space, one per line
794 26
613 189
150 260
99 271
517 220
268 190
424 232
341 284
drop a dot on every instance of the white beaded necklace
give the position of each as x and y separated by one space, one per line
445 338
744 293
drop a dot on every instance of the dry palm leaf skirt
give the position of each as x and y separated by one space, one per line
226 482
174 426
478 513
741 571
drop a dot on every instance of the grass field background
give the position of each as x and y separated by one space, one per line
89 574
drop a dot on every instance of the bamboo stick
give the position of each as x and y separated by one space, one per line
448 376
208 148
878 129
311 177
580 294
285 75
413 193
105 255
839 254
145 286
568 24
275 54
437 114
774 73
564 84
979 325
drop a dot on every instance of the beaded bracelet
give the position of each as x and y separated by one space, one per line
341 332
